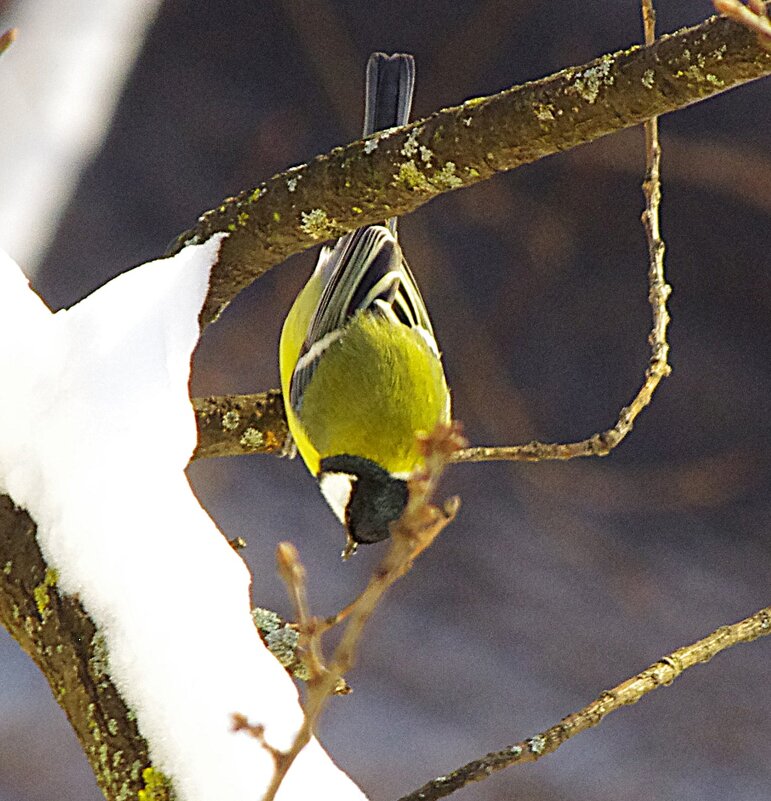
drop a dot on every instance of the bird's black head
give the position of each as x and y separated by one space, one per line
363 495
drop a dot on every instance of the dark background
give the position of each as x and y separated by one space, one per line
558 580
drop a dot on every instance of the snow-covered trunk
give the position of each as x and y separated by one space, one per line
96 429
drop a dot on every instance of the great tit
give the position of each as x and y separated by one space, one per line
360 369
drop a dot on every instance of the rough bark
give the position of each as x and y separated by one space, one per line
396 172
61 639
231 425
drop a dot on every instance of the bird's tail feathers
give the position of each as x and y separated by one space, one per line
390 84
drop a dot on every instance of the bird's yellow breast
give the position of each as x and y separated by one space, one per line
373 388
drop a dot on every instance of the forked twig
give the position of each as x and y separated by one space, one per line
417 528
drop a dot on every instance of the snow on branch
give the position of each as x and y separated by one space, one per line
147 599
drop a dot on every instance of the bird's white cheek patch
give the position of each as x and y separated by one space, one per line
337 489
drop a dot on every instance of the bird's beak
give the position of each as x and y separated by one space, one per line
350 547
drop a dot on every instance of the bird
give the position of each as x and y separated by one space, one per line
361 371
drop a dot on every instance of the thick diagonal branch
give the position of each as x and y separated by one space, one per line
396 172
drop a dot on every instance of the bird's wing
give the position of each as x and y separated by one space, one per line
366 273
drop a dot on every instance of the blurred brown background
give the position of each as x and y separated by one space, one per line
558 580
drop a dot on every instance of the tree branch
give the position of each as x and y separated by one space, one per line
602 443
753 16
60 638
397 171
220 435
660 674
231 425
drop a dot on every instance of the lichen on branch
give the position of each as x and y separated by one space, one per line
396 171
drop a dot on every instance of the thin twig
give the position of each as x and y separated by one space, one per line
293 574
240 722
659 674
282 639
418 527
602 443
